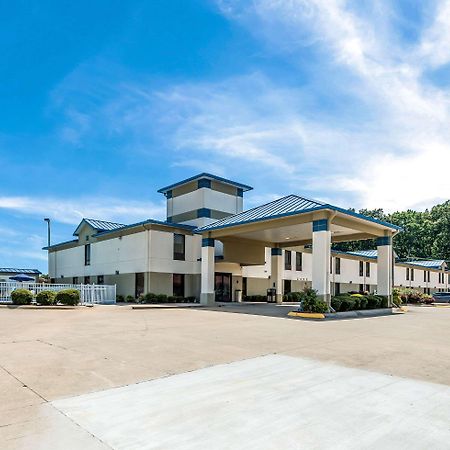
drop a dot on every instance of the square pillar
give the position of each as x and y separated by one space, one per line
276 275
207 295
321 256
385 267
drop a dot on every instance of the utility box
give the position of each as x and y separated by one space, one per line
238 296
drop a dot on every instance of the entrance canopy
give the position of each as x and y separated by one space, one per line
287 222
290 222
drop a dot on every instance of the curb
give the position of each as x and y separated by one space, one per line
347 314
11 306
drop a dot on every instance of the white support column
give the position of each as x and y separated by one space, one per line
321 255
385 267
276 275
207 295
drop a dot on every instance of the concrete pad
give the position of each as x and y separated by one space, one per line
43 427
270 402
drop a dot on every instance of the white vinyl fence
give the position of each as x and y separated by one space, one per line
89 293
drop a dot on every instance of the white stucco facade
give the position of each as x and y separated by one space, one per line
166 257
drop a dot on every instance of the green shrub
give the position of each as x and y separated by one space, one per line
310 302
191 299
46 297
363 302
130 299
255 298
373 302
21 297
68 297
336 303
162 298
384 301
120 298
293 297
347 304
149 298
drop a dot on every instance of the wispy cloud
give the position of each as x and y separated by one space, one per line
71 211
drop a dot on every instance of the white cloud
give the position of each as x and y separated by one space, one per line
71 211
400 156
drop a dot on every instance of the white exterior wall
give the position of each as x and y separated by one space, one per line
151 252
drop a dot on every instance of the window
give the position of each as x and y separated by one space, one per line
407 273
298 261
424 275
75 280
287 286
367 269
337 288
361 289
139 284
87 255
412 274
178 284
87 279
179 247
331 264
337 266
287 260
361 268
101 279
429 276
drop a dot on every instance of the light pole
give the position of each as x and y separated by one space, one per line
48 230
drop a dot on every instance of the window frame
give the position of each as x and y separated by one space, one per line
361 268
181 286
299 257
337 266
287 260
177 256
87 254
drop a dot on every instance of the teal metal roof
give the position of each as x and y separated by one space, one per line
285 206
148 222
99 225
365 253
25 271
209 176
431 264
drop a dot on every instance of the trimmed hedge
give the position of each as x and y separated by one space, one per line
255 298
130 299
163 298
46 297
68 297
352 302
21 297
120 298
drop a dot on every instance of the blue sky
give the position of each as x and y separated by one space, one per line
104 102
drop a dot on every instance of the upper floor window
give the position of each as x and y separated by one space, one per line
367 269
87 255
337 266
407 273
287 260
412 274
429 276
179 251
424 275
298 261
361 268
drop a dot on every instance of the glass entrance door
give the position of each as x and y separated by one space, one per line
223 287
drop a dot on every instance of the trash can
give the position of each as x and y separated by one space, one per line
271 295
238 296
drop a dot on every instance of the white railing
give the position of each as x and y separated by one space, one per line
89 293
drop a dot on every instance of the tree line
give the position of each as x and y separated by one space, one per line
426 234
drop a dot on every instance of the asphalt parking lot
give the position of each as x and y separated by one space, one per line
113 377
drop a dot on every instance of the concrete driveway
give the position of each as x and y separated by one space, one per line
110 377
